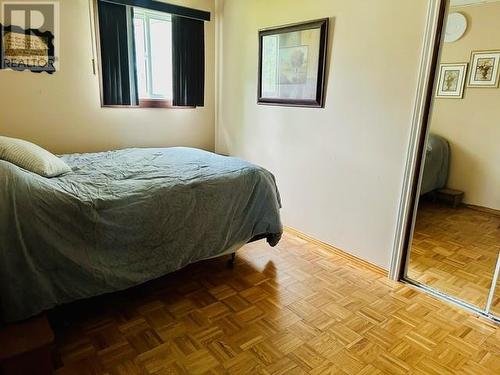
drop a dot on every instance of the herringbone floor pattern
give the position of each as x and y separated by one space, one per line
294 309
455 251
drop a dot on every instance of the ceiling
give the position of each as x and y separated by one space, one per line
455 3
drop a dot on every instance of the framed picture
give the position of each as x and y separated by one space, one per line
484 69
292 64
29 49
451 80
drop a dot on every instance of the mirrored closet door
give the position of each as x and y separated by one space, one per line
455 245
493 307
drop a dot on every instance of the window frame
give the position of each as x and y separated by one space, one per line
146 16
97 68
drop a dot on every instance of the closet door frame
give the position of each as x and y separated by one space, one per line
493 290
433 39
415 160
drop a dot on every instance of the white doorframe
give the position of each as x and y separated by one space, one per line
432 40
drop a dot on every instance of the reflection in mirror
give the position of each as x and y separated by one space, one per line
456 237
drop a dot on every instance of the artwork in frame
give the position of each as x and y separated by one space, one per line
484 69
292 64
26 49
451 80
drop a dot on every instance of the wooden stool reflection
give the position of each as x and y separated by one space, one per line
450 196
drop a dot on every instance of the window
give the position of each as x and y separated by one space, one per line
152 54
153 49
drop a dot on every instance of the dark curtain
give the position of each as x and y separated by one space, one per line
118 84
188 61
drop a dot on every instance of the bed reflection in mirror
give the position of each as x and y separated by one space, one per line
456 234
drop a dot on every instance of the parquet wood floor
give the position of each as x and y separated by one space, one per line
455 250
293 309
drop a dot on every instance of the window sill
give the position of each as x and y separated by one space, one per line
155 103
160 103
151 103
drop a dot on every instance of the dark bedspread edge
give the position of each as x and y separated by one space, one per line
272 238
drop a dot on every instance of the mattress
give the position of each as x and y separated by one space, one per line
121 218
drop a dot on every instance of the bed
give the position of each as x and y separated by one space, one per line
121 218
437 160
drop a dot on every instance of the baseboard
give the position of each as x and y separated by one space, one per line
488 210
352 258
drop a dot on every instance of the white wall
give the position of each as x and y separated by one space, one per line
339 169
472 124
63 112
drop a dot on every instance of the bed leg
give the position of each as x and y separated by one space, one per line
230 262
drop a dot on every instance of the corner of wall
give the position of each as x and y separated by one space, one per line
219 43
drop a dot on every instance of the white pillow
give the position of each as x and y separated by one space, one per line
31 157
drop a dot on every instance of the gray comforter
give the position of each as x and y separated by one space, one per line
122 218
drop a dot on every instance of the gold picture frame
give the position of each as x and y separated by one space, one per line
451 80
485 69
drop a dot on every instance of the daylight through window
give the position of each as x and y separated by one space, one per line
153 45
